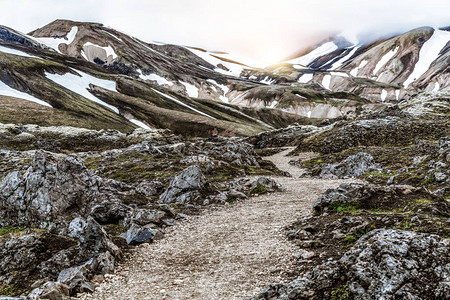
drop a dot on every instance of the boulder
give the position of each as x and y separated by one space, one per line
137 235
184 186
269 184
50 290
353 166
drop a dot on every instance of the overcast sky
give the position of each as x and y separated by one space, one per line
268 30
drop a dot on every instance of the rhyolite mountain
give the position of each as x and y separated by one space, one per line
89 75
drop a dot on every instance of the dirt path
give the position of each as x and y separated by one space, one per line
229 252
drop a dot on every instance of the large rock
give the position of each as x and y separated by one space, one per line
365 196
345 193
138 234
266 184
383 264
353 166
184 187
51 291
52 188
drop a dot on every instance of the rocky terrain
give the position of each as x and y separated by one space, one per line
114 151
386 236
67 215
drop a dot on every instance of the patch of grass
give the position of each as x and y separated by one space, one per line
345 208
421 201
342 293
350 238
8 290
10 229
259 189
378 174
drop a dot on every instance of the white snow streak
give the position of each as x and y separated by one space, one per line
15 52
428 53
233 69
139 123
387 57
344 59
355 71
319 51
191 89
397 94
6 90
81 84
182 103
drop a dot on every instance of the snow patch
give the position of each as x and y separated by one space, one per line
6 90
191 89
319 51
383 95
154 77
80 85
15 52
306 78
355 71
428 53
139 123
387 57
55 42
341 61
273 104
397 94
326 81
224 89
436 87
182 103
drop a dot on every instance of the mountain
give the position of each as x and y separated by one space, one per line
89 75
387 70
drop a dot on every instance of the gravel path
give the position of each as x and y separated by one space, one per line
228 252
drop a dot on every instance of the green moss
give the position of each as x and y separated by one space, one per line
345 208
342 293
421 201
259 189
350 238
8 290
10 229
378 174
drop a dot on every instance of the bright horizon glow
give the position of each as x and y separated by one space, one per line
264 30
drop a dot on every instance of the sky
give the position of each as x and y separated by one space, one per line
266 30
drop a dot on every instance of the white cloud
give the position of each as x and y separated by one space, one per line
264 29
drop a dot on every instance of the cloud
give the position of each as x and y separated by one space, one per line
264 29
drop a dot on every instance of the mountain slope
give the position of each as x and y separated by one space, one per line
98 77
